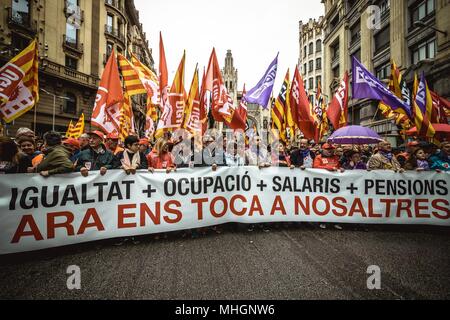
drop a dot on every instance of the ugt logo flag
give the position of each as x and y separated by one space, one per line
260 94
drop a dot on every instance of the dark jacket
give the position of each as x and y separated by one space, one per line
298 157
142 165
56 160
104 158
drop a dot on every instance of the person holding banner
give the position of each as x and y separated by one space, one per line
28 146
384 159
304 156
160 157
56 159
131 158
96 157
441 161
327 159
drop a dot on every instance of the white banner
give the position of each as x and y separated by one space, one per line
38 213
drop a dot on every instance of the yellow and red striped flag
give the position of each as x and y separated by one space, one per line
75 131
19 88
126 118
280 108
131 79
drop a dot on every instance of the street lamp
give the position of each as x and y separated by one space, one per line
54 107
422 24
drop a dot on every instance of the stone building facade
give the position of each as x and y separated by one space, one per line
311 54
75 39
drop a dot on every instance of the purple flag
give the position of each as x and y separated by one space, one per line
366 86
260 94
421 96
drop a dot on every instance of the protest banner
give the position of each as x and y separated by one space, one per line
38 213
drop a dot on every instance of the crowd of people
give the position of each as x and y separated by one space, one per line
96 152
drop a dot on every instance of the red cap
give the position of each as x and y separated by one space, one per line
413 144
328 146
144 141
72 142
98 133
112 136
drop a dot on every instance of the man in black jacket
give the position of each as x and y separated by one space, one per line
303 157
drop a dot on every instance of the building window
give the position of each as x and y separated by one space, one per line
382 39
356 54
311 48
311 66
424 50
335 52
304 69
319 46
336 73
70 103
21 12
71 34
311 84
319 64
355 33
384 71
71 63
318 80
109 23
422 10
304 52
18 42
384 5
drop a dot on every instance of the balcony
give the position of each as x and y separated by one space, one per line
115 33
22 21
115 4
73 46
335 60
68 74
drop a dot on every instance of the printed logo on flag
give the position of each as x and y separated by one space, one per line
21 99
268 82
10 77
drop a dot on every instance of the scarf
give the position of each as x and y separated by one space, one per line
423 164
135 161
388 155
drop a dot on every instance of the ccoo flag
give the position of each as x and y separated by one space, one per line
366 85
261 93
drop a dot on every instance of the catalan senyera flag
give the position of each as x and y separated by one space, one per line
109 99
192 117
204 103
126 118
131 79
69 129
279 109
319 114
397 85
423 104
173 112
338 108
19 89
300 107
75 131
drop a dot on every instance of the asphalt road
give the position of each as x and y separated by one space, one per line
296 262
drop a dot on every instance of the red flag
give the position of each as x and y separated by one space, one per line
106 113
174 108
300 107
204 104
338 108
441 108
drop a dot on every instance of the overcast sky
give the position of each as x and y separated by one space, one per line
254 30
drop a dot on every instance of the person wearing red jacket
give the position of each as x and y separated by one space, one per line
327 159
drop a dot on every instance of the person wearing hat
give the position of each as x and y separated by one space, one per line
84 141
327 159
25 132
73 146
384 159
441 160
56 159
97 157
144 146
112 143
28 146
